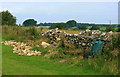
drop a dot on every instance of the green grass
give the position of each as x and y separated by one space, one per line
0 53
38 65
103 28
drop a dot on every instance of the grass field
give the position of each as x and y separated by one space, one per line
0 58
38 65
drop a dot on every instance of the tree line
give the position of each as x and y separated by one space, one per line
9 19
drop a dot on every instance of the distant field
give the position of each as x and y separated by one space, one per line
102 28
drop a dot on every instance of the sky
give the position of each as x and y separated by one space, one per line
82 12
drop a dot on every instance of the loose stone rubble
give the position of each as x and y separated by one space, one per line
22 49
44 44
83 39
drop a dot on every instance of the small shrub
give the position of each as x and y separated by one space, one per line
118 29
95 27
82 27
59 25
32 33
110 28
41 28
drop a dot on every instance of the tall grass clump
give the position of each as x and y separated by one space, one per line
13 33
19 33
32 33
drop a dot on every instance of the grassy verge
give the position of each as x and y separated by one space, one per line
38 65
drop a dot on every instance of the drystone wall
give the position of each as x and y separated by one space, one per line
83 39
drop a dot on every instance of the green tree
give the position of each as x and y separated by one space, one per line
8 18
30 22
72 23
95 27
59 25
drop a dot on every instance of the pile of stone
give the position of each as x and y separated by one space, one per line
83 39
22 49
44 44
54 36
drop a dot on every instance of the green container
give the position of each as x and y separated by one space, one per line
96 47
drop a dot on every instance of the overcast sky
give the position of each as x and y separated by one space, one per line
87 12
